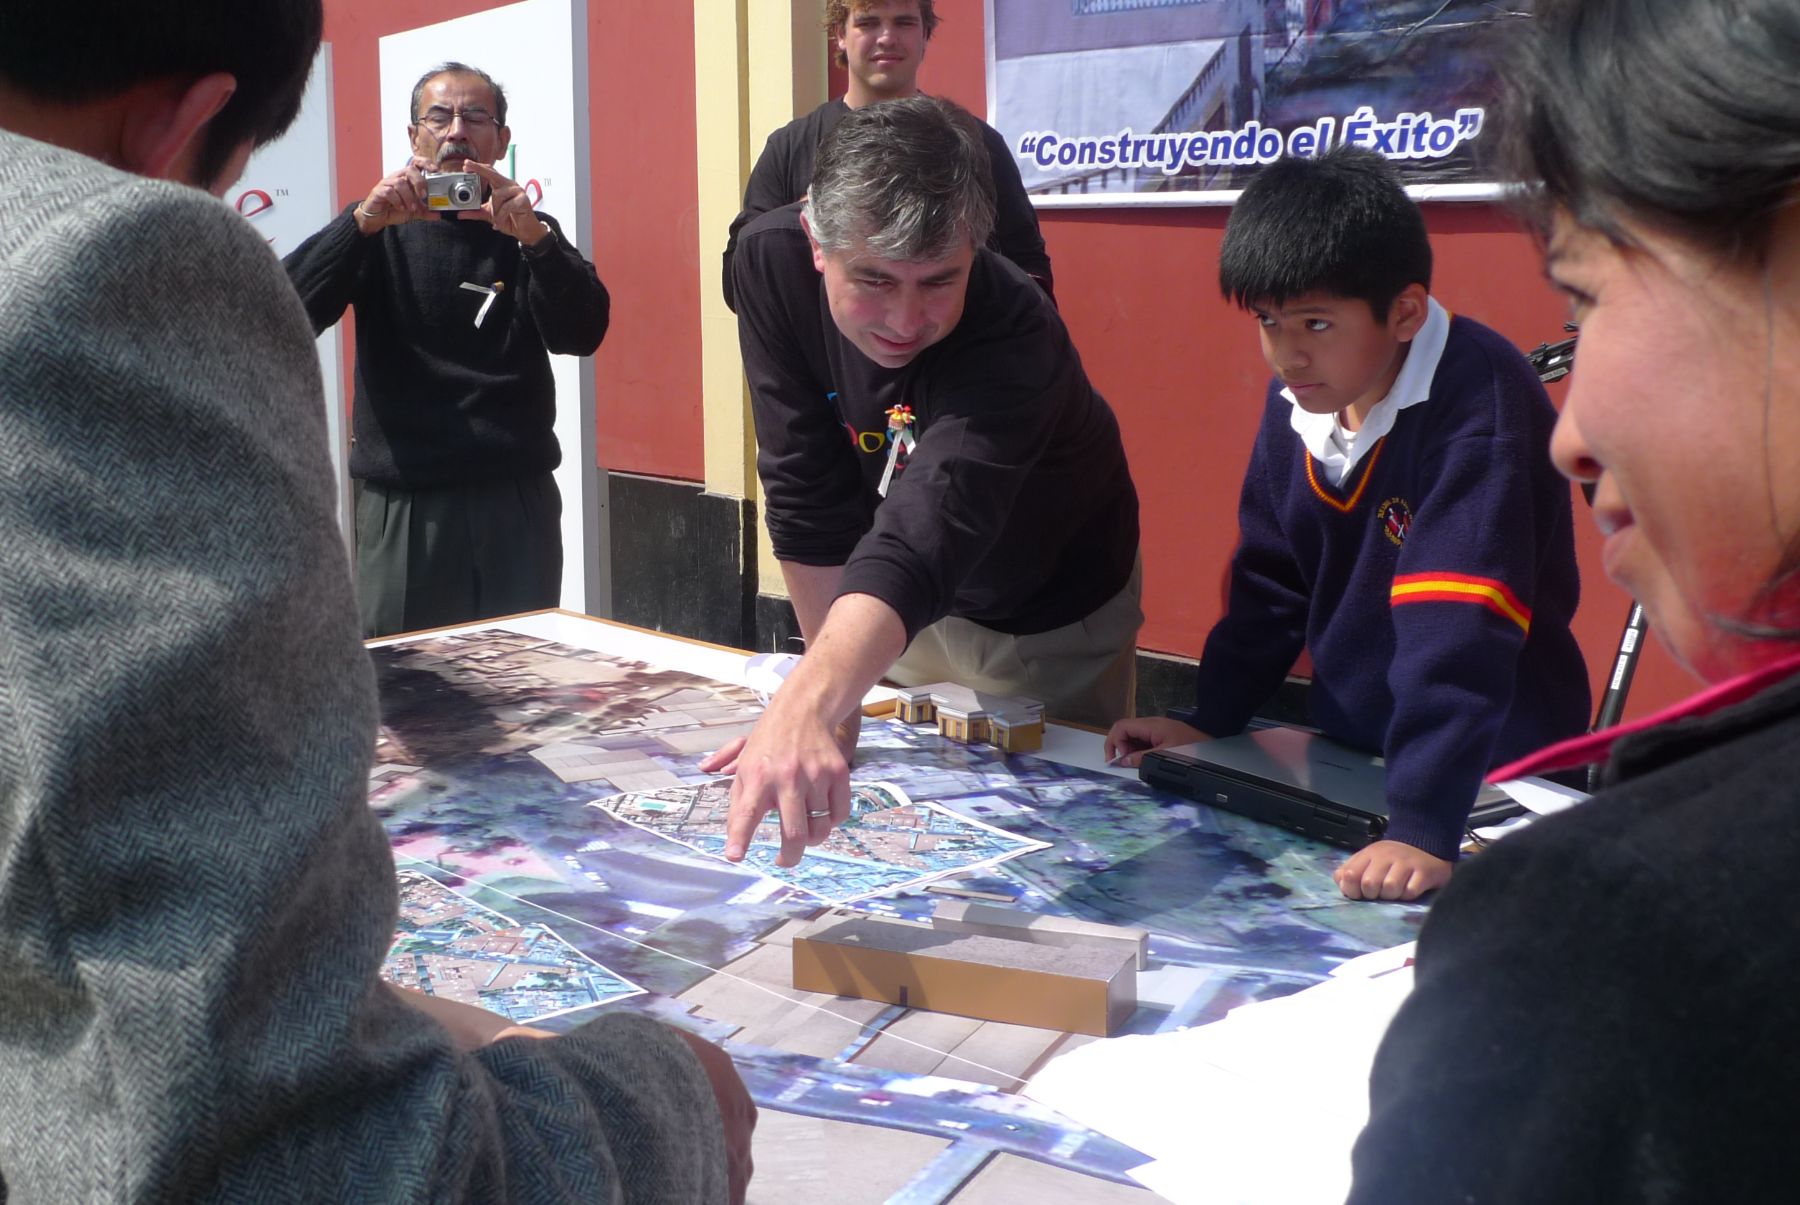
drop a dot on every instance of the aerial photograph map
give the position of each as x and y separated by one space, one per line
451 946
889 843
559 852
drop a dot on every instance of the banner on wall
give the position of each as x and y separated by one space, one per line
529 50
1144 102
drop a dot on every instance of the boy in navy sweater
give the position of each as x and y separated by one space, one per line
1400 518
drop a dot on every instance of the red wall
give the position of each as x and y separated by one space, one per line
646 237
1182 370
644 186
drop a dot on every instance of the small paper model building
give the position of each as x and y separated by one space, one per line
972 717
1089 989
960 916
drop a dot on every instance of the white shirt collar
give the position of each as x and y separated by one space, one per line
1319 432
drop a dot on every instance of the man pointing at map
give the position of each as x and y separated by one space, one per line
946 492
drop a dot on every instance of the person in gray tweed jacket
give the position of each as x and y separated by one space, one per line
194 896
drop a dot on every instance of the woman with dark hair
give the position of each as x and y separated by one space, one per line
1605 1005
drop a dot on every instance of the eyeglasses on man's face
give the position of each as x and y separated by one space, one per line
438 119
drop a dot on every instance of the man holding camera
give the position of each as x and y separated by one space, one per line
461 292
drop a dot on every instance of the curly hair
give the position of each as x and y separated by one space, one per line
837 16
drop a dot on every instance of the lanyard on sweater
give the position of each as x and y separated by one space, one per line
492 291
1597 746
900 435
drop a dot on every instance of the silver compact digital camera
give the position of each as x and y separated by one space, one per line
453 190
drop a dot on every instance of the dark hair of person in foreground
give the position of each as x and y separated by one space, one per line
71 53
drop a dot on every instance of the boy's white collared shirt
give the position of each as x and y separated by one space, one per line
1339 450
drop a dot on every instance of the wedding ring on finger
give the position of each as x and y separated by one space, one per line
820 815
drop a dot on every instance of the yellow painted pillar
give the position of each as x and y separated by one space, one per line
757 65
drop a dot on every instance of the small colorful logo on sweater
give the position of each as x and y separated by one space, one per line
1395 517
870 442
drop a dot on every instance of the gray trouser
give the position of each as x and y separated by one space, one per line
1084 672
437 557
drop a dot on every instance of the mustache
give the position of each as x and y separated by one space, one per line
455 150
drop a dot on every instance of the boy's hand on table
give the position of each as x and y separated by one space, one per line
1391 870
1129 740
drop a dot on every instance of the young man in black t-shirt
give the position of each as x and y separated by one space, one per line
937 470
880 44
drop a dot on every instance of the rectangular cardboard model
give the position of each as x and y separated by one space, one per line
959 916
1079 990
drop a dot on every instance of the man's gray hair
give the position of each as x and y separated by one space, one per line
906 180
455 68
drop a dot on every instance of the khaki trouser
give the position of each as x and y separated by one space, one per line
1084 672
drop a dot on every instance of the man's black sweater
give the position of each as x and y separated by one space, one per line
784 171
1015 511
439 400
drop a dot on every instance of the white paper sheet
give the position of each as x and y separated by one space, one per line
1262 1107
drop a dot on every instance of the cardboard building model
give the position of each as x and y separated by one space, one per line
973 717
1020 972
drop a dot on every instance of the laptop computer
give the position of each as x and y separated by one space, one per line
1296 779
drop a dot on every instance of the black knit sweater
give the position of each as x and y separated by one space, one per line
439 400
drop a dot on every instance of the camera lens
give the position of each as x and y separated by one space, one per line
463 193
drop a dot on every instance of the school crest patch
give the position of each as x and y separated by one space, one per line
1395 517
